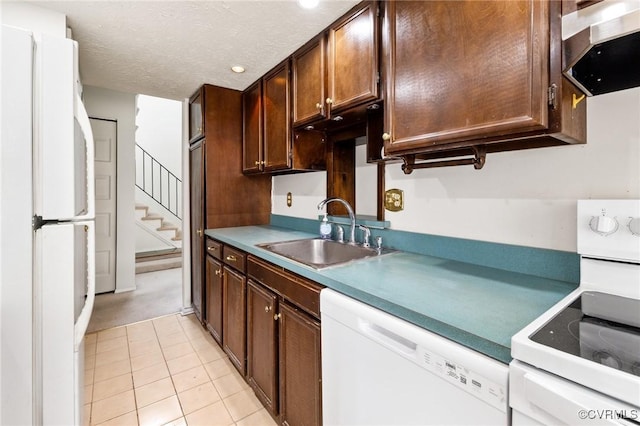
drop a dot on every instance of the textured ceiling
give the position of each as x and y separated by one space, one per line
170 48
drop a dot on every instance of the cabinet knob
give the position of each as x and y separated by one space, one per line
267 308
386 137
276 317
319 105
329 101
219 272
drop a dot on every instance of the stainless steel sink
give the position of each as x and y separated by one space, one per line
319 253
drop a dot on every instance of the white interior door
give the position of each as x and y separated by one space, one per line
104 135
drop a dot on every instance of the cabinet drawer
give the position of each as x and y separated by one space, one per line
234 258
300 291
214 249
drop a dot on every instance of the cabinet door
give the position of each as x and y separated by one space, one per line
300 368
262 372
353 63
277 133
196 123
309 82
196 175
252 156
464 70
234 312
213 293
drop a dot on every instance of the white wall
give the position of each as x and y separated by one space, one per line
33 18
159 133
159 130
112 105
523 197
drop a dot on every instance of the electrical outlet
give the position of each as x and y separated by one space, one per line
394 200
289 199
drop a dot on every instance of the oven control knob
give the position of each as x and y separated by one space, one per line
603 225
634 226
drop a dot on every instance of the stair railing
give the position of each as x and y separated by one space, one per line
158 182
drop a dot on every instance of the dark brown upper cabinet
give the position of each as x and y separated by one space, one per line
353 61
252 152
338 70
269 144
472 76
308 79
277 125
196 121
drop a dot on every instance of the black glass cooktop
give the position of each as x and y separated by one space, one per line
606 342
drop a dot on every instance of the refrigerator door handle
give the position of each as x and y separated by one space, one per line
83 120
82 322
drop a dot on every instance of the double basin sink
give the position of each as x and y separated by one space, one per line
319 254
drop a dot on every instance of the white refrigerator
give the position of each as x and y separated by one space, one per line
47 248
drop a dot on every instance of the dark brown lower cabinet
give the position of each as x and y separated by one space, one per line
300 368
262 347
213 293
234 316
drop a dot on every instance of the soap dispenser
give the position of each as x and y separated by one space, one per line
325 228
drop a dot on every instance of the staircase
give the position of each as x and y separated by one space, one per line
164 230
158 261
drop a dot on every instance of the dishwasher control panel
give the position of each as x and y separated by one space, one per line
463 378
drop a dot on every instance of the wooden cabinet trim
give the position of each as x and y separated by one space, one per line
276 112
234 258
234 326
300 379
214 248
252 129
262 349
369 92
498 129
305 111
196 116
298 290
214 298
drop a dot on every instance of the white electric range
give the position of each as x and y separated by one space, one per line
579 363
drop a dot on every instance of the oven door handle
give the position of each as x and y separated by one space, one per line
558 405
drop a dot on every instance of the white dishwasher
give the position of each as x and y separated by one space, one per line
378 369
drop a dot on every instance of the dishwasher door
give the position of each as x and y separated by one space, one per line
380 370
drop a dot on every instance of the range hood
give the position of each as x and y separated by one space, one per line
605 56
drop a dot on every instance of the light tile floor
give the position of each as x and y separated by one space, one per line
165 371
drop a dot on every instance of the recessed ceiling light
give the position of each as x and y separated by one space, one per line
308 4
237 68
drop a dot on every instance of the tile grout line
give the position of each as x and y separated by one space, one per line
191 332
169 371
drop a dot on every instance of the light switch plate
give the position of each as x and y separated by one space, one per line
394 200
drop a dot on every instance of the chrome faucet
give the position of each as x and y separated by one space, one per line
352 216
366 235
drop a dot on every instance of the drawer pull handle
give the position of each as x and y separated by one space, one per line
231 258
212 248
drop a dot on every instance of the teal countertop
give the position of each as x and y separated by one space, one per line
476 306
